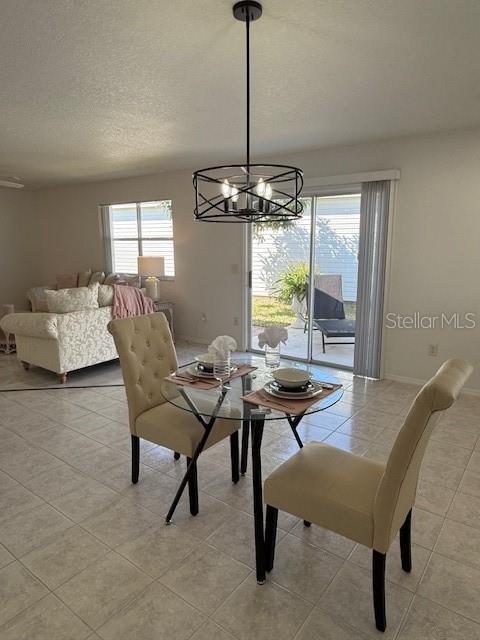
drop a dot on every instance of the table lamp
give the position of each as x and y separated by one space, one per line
152 267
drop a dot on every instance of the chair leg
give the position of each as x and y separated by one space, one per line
193 490
378 574
306 523
135 458
234 456
176 455
406 543
270 536
245 437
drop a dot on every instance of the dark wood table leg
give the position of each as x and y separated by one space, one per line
192 464
294 422
191 471
246 387
245 438
257 424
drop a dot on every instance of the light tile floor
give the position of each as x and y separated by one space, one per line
14 376
85 554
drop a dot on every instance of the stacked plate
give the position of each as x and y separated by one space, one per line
200 372
290 382
309 390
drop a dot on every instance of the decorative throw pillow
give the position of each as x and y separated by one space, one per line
97 276
38 298
129 280
67 280
105 295
111 278
67 300
84 278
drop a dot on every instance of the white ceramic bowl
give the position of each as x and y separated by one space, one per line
206 360
291 378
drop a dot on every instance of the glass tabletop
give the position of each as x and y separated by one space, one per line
211 402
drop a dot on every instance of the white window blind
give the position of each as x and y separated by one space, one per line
141 229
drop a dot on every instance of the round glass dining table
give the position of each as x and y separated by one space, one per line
227 401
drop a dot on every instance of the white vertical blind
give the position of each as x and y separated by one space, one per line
141 228
371 278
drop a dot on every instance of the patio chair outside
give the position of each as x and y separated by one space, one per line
329 310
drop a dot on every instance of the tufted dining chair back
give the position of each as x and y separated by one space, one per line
396 492
147 354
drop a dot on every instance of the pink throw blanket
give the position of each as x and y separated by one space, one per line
130 301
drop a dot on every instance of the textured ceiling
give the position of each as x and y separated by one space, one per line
104 88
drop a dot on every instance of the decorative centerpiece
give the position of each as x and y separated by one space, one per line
221 349
270 339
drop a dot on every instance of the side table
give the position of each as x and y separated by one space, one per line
167 309
7 342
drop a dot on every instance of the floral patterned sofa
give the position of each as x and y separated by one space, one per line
62 342
63 338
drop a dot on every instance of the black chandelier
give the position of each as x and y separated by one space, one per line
248 192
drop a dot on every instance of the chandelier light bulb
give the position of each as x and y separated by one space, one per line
260 188
225 189
267 191
234 194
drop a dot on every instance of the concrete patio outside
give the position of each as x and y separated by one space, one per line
335 354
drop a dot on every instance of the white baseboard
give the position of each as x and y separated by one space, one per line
191 339
390 376
406 379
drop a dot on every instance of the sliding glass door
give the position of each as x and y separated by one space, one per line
280 258
334 278
303 277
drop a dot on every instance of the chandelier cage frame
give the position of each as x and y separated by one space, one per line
248 192
284 204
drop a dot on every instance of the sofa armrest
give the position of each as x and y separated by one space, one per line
35 325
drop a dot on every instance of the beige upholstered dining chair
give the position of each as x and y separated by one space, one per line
358 498
147 354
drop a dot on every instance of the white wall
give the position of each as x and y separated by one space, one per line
18 254
435 249
435 254
204 253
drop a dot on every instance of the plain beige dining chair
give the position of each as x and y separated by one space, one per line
358 498
147 355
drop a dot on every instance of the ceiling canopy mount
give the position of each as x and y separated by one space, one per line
247 10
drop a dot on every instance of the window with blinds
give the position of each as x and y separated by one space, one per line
141 229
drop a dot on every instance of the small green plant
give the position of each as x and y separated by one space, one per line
262 229
293 283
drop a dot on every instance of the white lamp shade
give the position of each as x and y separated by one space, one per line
151 266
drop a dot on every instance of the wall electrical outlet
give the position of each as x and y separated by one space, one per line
235 321
432 349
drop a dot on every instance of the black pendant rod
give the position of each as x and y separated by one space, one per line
286 180
247 25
